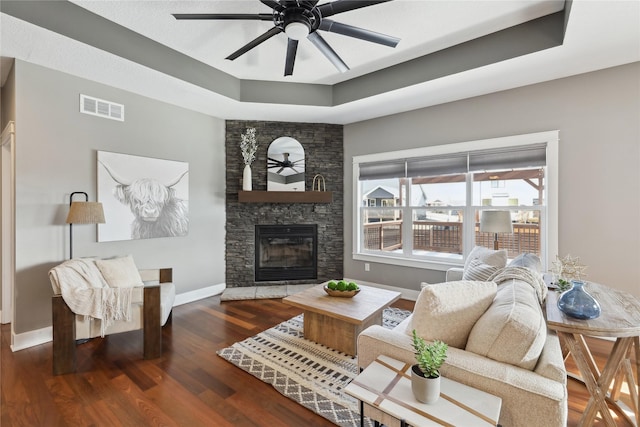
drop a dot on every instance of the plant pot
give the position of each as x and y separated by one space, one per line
425 390
246 178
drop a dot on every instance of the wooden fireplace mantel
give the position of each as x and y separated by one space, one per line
285 196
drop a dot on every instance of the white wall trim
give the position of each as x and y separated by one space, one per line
199 294
31 338
45 335
7 221
550 209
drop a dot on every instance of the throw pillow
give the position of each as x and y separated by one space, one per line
120 272
488 256
513 330
478 270
530 261
448 311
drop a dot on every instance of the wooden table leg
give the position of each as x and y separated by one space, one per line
598 386
592 380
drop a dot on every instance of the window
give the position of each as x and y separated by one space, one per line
430 200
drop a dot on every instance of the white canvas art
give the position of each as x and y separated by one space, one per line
142 197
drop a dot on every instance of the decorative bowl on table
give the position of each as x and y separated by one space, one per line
341 289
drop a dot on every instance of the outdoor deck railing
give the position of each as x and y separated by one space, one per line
437 236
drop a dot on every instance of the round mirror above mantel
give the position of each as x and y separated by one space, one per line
285 165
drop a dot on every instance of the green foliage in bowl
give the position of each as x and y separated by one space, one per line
342 285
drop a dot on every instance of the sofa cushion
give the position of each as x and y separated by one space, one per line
479 271
120 272
513 329
448 311
530 261
488 256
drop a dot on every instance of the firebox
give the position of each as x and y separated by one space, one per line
286 252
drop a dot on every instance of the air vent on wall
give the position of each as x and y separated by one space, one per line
101 108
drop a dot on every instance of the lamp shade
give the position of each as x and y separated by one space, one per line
85 213
496 222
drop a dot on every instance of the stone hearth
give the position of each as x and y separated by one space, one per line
261 292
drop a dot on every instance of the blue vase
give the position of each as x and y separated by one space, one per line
578 303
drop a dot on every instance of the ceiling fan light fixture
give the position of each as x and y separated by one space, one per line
297 30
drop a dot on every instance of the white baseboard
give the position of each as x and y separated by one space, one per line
408 294
199 294
31 338
45 335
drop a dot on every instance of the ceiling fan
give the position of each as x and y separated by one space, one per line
299 19
282 164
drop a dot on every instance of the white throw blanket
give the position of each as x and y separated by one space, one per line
526 275
87 293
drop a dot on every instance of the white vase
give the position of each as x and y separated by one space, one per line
425 390
246 178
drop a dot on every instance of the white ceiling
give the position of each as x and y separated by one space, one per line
600 34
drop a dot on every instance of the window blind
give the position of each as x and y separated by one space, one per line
471 161
508 158
383 170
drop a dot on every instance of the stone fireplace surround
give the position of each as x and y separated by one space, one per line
323 146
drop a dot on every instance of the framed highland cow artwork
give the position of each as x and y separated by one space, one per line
143 197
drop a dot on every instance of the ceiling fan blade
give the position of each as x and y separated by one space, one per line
272 4
358 33
339 6
281 169
225 16
292 48
255 42
327 51
274 160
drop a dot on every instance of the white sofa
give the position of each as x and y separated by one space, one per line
95 298
498 343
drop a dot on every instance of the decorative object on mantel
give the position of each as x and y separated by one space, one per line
249 146
578 303
318 183
285 165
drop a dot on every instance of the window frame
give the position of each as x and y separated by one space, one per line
548 213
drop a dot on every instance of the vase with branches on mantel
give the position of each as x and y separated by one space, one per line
248 147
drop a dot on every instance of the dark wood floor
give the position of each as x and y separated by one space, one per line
188 386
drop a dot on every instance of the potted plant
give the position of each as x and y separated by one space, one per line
425 375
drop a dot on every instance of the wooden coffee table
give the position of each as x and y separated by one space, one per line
336 322
384 392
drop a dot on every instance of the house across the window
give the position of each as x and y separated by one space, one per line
427 208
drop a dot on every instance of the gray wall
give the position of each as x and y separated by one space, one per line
598 116
56 154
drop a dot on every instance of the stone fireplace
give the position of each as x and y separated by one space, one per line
286 252
323 146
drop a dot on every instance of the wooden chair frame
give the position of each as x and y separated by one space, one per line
64 327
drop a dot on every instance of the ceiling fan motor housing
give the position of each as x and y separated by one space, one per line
297 22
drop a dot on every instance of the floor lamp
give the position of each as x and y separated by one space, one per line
82 213
496 222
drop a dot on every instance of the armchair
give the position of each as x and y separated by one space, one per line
145 306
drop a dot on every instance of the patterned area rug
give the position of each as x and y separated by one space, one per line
311 374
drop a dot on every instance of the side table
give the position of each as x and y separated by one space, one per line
620 319
384 391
